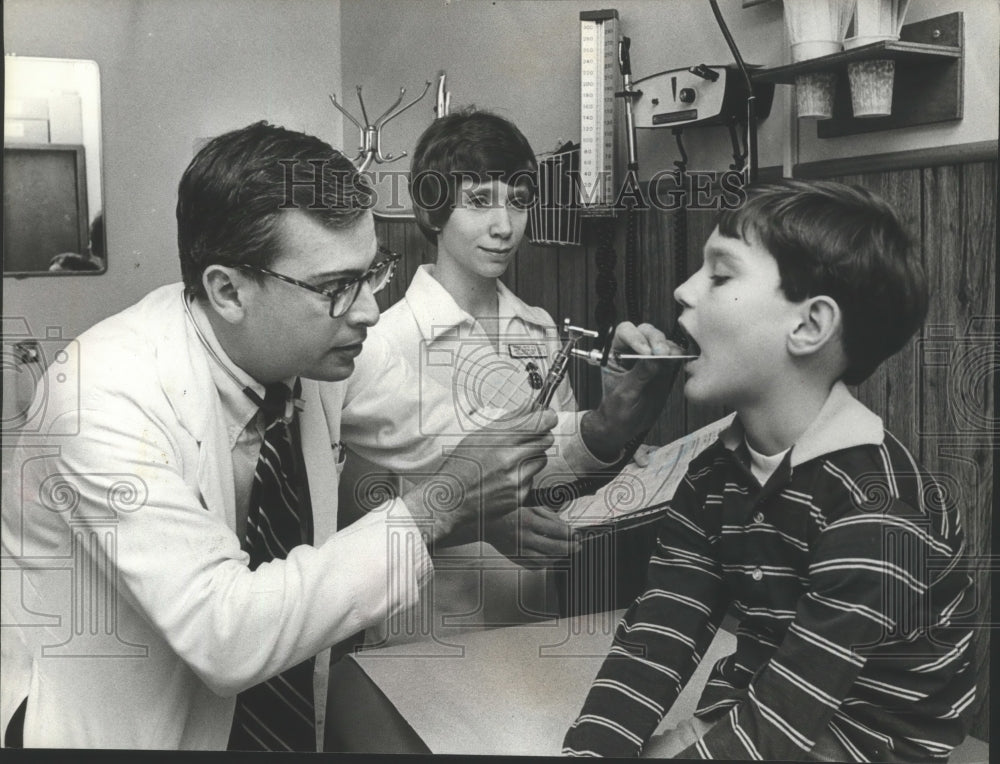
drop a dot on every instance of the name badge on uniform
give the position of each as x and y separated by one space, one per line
526 350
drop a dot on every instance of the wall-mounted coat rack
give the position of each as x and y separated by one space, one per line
371 132
443 106
928 77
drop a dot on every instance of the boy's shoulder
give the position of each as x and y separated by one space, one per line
869 471
884 481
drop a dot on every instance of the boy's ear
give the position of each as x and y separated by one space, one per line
223 290
819 325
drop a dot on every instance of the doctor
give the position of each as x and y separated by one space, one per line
171 546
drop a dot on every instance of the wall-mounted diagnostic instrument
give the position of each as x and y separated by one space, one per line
599 78
695 95
692 96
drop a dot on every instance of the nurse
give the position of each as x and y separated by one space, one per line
460 326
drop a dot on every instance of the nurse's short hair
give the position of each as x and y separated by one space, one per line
233 193
469 143
846 243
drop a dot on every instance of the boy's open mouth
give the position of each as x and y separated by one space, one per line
685 340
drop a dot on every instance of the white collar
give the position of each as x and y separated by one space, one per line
842 422
437 313
230 380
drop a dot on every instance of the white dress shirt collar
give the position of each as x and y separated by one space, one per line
842 422
237 407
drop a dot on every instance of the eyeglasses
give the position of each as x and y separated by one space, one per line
342 297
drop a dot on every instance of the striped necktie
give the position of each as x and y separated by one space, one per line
278 714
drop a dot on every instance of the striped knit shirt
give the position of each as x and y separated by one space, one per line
847 574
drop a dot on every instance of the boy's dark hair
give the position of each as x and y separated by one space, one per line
232 195
848 244
465 144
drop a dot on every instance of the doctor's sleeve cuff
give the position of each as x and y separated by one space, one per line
411 535
574 450
402 553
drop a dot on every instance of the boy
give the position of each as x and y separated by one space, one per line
808 520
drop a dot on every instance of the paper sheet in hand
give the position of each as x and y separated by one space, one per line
642 492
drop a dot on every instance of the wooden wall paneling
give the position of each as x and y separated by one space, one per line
535 279
978 195
891 390
538 277
655 278
573 281
941 240
398 234
384 232
520 260
587 377
657 306
656 285
576 299
903 190
526 261
418 250
957 419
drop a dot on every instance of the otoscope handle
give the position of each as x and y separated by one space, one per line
560 363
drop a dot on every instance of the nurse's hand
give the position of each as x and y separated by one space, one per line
533 537
485 477
632 399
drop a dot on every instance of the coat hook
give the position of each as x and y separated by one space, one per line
443 106
371 133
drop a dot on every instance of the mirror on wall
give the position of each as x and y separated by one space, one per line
53 209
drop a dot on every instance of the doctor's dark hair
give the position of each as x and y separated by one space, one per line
233 194
465 144
848 244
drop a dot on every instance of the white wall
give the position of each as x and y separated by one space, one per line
173 72
73 91
521 59
177 71
981 78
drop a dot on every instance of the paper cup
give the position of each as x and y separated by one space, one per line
879 19
816 28
814 95
803 51
871 87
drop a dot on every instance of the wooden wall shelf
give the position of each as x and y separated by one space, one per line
927 86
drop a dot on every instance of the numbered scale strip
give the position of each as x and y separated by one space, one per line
598 81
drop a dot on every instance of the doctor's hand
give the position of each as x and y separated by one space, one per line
641 456
533 537
486 476
633 399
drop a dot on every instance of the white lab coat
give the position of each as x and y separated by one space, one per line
131 619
